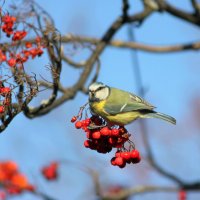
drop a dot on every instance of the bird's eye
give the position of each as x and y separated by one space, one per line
100 88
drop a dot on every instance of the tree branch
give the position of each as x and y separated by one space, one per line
135 45
127 192
189 17
196 7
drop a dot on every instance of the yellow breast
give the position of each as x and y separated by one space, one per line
97 107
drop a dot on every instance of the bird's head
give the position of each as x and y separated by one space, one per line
98 92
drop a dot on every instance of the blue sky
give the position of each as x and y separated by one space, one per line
170 81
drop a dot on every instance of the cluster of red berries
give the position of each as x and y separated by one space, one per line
50 172
16 59
6 93
7 24
103 139
19 35
12 181
123 157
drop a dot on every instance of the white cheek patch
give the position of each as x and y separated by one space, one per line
99 95
102 94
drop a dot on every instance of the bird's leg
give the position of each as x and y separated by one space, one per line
110 125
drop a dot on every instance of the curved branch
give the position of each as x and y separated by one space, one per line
135 45
189 17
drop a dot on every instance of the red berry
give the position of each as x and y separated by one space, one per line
2 109
182 194
74 118
123 165
136 160
85 128
83 122
119 161
87 143
118 154
115 132
2 57
96 135
126 155
11 62
113 161
87 122
105 131
50 171
5 90
19 35
28 45
135 154
78 124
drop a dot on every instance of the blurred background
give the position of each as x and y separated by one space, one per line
171 82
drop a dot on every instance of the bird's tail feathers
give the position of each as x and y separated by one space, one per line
160 116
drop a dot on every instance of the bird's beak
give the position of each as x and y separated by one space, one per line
92 93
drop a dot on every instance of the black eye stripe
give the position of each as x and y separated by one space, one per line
100 88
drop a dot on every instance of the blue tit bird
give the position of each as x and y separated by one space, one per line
119 107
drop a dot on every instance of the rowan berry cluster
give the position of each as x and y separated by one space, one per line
102 138
5 92
8 24
12 181
16 58
125 157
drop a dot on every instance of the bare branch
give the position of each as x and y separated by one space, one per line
125 7
125 193
196 7
135 45
189 17
71 62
